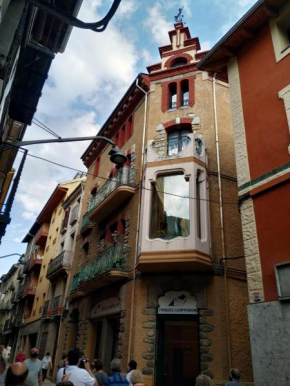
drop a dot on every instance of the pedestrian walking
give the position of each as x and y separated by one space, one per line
16 375
20 357
99 373
2 365
203 380
234 377
137 378
78 376
132 365
46 365
63 362
34 366
116 379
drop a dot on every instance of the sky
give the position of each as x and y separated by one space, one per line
86 82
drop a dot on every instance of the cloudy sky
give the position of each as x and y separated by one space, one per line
87 81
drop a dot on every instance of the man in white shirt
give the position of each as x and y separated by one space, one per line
46 365
79 377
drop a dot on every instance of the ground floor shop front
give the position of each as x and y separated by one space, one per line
173 326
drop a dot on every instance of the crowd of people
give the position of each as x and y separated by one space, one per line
75 369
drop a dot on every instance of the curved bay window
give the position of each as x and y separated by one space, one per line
184 93
172 96
170 207
177 141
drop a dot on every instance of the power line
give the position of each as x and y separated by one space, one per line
38 123
108 179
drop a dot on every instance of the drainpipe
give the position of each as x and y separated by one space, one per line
221 215
138 218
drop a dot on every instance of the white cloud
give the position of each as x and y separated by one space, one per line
157 25
85 84
244 3
205 46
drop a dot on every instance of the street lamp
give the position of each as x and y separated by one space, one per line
117 157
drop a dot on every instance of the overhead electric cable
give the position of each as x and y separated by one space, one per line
38 123
108 179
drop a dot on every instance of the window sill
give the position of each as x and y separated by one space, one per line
184 107
169 110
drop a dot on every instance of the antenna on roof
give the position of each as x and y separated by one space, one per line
178 18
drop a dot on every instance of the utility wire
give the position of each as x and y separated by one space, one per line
45 128
107 179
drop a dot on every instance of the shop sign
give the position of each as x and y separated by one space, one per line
106 307
178 303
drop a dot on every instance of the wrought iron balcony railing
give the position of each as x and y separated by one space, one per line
56 305
29 289
86 222
75 282
114 258
125 176
62 262
45 308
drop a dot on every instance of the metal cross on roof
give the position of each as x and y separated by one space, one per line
178 18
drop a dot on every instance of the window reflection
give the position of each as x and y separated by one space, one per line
177 141
170 212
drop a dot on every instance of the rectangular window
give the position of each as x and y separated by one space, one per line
177 141
74 214
170 207
280 30
65 221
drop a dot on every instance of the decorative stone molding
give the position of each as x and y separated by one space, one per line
251 246
240 143
285 95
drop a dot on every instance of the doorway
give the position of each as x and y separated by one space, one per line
177 360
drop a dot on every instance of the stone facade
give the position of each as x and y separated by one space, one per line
133 329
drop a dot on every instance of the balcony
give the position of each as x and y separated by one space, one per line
14 298
6 324
113 194
41 235
108 267
34 263
29 290
57 306
4 307
60 265
188 147
20 276
45 312
87 224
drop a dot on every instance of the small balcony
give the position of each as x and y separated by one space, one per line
60 265
29 290
45 310
34 263
41 235
108 267
14 298
4 307
113 194
87 224
57 306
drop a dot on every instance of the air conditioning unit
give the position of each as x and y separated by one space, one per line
282 272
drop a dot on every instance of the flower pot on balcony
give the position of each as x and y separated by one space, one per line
59 309
48 312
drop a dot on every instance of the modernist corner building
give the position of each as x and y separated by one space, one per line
150 279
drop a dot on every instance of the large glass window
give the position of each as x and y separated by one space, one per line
170 207
177 141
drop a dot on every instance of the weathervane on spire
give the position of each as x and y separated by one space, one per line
178 18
